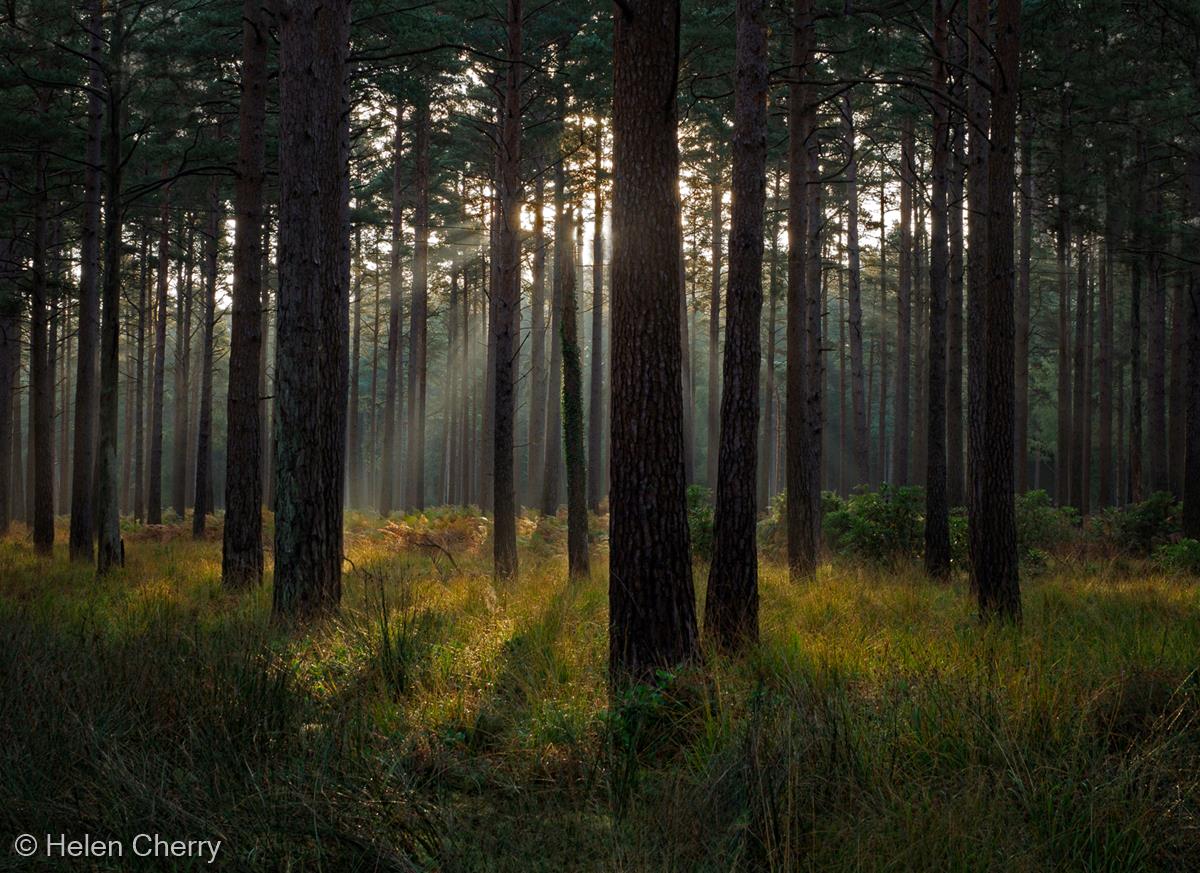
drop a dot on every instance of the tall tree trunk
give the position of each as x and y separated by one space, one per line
1156 350
10 365
418 335
314 282
83 462
902 401
41 371
1075 491
1177 428
183 361
731 605
995 565
201 507
1191 475
139 437
537 344
110 549
1021 385
1105 436
802 354
241 555
508 302
956 493
978 58
937 510
1133 466
354 452
652 611
387 460
714 337
595 478
154 495
766 452
552 468
1085 494
862 465
1062 455
572 405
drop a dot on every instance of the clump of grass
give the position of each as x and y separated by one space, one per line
441 723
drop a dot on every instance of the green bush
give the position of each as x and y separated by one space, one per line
700 521
1182 557
877 526
1140 528
1042 527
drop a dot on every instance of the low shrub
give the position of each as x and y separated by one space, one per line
1182 557
700 521
877 526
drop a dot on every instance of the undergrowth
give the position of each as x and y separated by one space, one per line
442 723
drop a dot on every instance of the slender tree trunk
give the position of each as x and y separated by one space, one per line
552 468
995 565
978 58
1021 376
1080 360
652 613
154 497
354 453
802 354
201 507
241 556
41 370
1191 475
1156 350
508 303
537 345
314 281
63 502
111 551
10 365
1062 455
139 430
572 404
1085 494
731 605
83 514
1177 427
1133 467
418 335
766 452
1105 436
387 460
183 387
862 464
900 461
714 338
956 493
595 464
937 509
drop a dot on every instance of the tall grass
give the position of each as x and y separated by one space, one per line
440 723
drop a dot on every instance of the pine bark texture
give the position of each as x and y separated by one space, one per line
83 461
995 564
731 605
241 556
652 610
314 280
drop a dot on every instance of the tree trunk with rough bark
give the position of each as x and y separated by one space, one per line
314 281
937 509
995 568
508 302
652 608
418 338
83 462
731 605
242 548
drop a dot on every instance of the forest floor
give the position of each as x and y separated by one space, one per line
440 723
